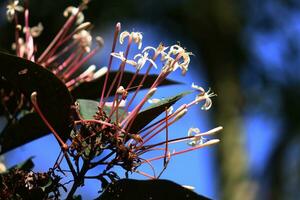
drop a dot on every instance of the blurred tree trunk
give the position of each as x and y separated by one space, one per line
217 26
284 176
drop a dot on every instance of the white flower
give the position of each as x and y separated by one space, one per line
35 31
200 89
148 48
137 37
159 50
176 49
12 8
71 10
143 58
176 58
204 96
197 139
119 55
84 39
184 62
137 64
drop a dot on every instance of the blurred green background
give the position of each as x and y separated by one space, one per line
248 52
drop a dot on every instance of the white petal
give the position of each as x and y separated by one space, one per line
123 35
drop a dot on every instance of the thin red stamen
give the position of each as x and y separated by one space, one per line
140 85
36 107
67 62
116 33
80 63
144 174
182 139
167 138
17 35
210 142
60 53
119 75
158 131
70 65
27 31
59 35
60 43
93 121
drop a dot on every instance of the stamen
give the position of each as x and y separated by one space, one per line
167 137
145 174
67 62
27 30
133 114
80 63
63 145
66 27
210 142
60 53
186 138
121 70
116 33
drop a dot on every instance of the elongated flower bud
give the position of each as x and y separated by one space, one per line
181 114
151 93
102 71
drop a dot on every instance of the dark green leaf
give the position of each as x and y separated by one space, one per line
92 90
88 109
77 197
153 111
54 99
25 130
11 104
49 183
148 189
27 165
104 183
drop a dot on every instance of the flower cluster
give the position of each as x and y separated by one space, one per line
67 52
112 129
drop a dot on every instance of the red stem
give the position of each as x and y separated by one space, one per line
60 53
17 35
62 32
116 33
63 145
81 62
186 150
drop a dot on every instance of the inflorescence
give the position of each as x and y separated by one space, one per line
110 129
